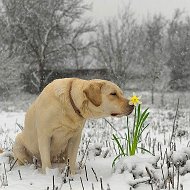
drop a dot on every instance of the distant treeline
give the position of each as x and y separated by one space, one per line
45 35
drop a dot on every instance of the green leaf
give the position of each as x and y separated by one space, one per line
144 113
134 123
143 119
117 157
127 146
143 130
129 140
119 144
138 113
140 120
145 150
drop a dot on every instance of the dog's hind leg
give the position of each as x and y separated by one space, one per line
20 151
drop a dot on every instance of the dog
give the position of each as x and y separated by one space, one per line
54 121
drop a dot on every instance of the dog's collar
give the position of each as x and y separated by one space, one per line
77 111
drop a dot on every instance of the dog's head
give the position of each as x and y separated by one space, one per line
106 99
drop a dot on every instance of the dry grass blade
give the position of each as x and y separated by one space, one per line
173 127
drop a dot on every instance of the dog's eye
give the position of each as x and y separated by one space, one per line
113 94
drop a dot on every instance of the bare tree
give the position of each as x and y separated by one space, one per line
154 57
8 66
163 82
117 45
179 50
46 32
9 75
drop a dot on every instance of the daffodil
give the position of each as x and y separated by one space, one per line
133 135
134 100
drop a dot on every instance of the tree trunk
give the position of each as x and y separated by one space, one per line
152 94
42 77
162 98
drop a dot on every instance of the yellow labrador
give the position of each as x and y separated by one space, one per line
54 122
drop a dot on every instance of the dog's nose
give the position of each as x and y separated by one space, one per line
130 107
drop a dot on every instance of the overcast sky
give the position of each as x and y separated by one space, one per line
106 8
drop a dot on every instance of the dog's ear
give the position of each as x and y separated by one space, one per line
93 93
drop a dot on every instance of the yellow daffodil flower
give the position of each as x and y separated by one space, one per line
134 100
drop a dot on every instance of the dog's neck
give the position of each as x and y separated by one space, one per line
77 111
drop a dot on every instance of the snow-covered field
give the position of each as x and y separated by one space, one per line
166 170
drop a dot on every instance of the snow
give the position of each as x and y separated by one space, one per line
128 171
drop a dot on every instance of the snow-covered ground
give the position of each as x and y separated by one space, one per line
97 152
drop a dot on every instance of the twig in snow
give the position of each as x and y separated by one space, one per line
188 143
81 164
173 175
13 164
161 152
169 183
81 183
20 126
68 168
53 182
153 147
95 174
101 184
35 162
86 173
163 174
134 183
19 174
64 179
146 137
178 165
149 174
113 128
158 146
108 187
65 174
70 184
173 127
92 186
6 179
